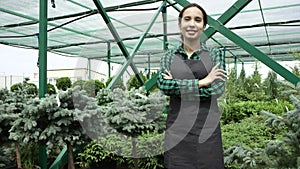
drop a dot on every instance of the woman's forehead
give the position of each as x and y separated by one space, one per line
193 11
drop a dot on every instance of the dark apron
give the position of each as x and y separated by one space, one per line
193 135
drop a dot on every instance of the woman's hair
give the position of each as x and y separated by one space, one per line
193 5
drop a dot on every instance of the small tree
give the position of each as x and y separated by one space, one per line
12 104
29 87
133 81
296 70
47 121
132 112
76 109
271 85
119 83
63 83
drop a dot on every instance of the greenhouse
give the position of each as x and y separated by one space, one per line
120 122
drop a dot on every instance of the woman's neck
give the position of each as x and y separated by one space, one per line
191 47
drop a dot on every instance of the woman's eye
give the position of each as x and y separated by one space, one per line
198 19
187 18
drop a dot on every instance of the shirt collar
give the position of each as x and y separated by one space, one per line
180 50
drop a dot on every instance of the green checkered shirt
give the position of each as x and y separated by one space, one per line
179 87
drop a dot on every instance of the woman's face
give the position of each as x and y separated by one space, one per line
192 24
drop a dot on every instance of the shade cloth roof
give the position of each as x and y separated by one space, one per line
76 29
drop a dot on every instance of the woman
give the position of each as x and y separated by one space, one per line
194 77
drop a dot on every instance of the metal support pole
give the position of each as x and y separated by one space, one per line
149 66
235 66
108 59
164 16
89 69
235 62
42 37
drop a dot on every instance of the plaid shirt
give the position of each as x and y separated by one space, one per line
178 87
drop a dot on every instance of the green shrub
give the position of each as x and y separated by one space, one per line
78 83
118 84
234 112
106 151
282 151
63 83
51 89
29 88
250 131
133 81
92 87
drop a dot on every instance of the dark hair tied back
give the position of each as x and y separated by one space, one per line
193 5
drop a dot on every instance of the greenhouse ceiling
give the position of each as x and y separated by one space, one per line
76 28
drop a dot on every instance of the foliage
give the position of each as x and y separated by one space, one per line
118 84
30 88
63 83
296 71
34 120
79 83
98 85
106 150
245 88
234 112
6 116
29 154
104 96
11 106
132 112
51 89
250 132
271 85
133 81
65 121
94 154
283 152
92 87
4 157
54 122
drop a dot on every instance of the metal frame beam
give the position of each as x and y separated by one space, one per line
226 17
128 56
119 42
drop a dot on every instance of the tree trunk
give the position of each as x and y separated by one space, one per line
135 159
18 156
70 157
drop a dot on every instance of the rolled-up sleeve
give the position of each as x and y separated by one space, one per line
174 87
217 87
177 87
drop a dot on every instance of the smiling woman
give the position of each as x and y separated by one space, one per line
194 77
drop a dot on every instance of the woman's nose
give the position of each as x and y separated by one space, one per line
192 23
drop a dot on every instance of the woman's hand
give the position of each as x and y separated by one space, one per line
214 74
167 76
